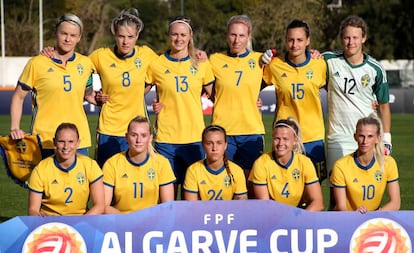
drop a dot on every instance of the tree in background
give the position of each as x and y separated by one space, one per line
390 23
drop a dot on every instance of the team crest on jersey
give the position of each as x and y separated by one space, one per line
227 181
378 176
365 80
151 174
80 177
138 63
80 69
252 64
21 146
193 70
309 74
296 174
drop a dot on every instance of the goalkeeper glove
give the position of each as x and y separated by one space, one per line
387 144
267 56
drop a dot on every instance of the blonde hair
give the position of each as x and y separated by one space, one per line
293 125
127 17
245 20
143 119
71 18
191 48
373 119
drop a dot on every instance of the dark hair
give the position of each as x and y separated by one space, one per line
64 126
127 17
354 21
217 128
296 23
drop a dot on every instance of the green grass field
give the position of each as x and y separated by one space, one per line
13 198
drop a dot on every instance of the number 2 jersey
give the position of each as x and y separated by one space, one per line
352 90
65 191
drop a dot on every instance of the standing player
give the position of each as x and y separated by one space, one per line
58 86
137 178
215 177
180 79
122 71
285 174
238 81
360 178
297 79
356 83
63 184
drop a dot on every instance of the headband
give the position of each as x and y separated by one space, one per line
181 22
286 125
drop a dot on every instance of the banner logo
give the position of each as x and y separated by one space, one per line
380 235
54 237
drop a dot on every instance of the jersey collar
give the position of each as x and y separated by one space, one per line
134 163
369 166
308 58
55 161
281 165
123 56
236 55
214 172
59 61
167 54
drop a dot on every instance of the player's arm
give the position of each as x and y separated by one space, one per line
16 111
314 192
97 195
190 195
208 89
90 95
394 202
385 115
35 201
261 192
340 198
109 192
240 196
167 193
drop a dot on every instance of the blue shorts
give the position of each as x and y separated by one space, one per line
315 150
49 152
181 156
244 149
107 146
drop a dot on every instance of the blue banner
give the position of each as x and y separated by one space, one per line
219 226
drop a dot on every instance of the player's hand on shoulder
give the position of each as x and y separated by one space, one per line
48 52
315 54
201 55
267 56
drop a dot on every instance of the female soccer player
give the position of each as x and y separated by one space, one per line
238 79
180 79
122 71
360 179
137 178
285 174
297 79
356 83
62 184
59 86
215 177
